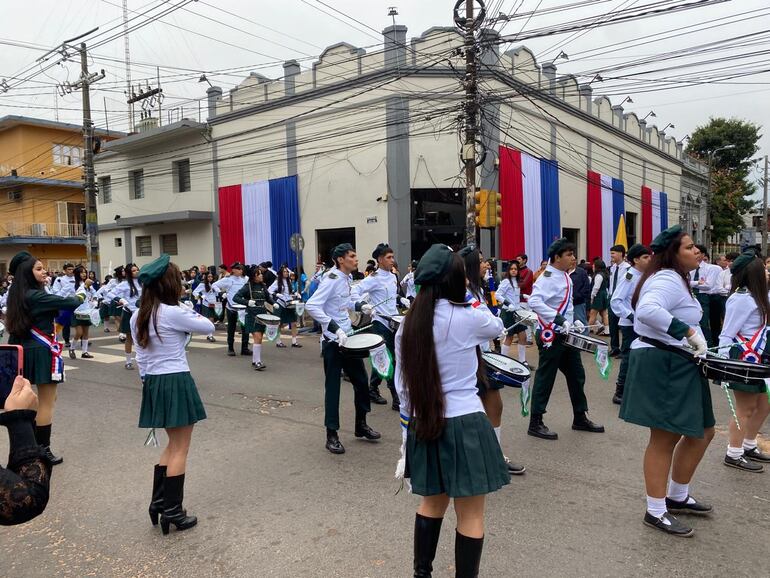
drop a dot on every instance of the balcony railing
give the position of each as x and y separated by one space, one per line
19 229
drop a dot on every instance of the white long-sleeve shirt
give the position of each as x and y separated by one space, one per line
64 286
596 285
407 284
620 302
509 294
457 331
230 285
621 269
725 282
707 278
552 296
165 352
283 296
742 317
665 307
382 287
331 302
123 291
208 298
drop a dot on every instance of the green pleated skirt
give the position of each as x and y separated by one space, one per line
125 322
507 318
748 388
252 325
114 310
665 391
288 315
170 400
465 461
37 365
208 312
601 301
81 322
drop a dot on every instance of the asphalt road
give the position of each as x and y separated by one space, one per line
272 501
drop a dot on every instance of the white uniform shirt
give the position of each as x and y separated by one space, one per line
407 284
509 293
281 297
167 355
105 291
230 285
706 278
89 294
64 286
664 298
457 330
622 268
123 291
621 297
382 287
552 296
741 317
331 301
208 298
725 282
713 274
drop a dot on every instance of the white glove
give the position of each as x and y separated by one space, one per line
510 308
367 309
123 302
405 302
698 343
578 326
525 296
187 305
342 337
252 303
565 327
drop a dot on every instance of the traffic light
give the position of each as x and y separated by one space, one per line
496 209
482 202
488 210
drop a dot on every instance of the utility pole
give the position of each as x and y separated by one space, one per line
471 117
764 210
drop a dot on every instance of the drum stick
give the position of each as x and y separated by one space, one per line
360 329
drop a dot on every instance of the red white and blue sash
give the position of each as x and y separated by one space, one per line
49 340
547 330
752 349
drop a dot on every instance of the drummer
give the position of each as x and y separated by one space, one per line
329 306
639 259
254 294
230 286
382 289
84 287
407 283
665 390
551 299
744 336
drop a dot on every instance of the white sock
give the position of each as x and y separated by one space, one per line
128 358
294 340
678 492
210 335
734 453
256 356
504 349
656 506
497 433
84 345
72 345
750 444
522 352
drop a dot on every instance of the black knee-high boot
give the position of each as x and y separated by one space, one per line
173 513
426 534
156 503
43 438
467 556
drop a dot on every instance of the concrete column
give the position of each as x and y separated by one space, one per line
549 72
586 92
290 70
398 171
617 114
214 93
127 248
395 46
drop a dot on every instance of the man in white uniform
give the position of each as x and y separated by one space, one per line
231 285
618 268
64 286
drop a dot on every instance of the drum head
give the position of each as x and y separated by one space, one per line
397 319
360 344
266 319
507 366
238 307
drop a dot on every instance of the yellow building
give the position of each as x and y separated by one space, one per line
42 201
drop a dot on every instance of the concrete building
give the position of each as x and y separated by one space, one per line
373 140
41 190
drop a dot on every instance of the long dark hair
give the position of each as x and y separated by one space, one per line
253 272
167 289
281 279
17 317
666 259
507 273
206 283
473 272
78 281
419 364
754 278
132 284
120 273
600 268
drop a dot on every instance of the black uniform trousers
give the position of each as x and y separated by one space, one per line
232 323
614 331
334 363
716 316
390 342
705 320
625 350
558 357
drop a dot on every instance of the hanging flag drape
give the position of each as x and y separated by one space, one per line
606 206
654 214
257 219
529 190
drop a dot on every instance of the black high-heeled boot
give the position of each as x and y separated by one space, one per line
173 513
426 534
467 555
156 503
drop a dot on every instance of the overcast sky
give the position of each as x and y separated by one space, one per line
294 29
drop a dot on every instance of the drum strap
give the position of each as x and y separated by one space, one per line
562 306
752 349
672 348
48 340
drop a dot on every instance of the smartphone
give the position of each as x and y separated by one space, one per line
11 365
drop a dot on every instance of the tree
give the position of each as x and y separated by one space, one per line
730 186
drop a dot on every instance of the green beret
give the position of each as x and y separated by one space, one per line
665 238
740 263
381 249
17 260
341 249
154 270
434 265
467 250
636 251
557 246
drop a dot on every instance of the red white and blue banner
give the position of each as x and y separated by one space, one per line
606 206
256 221
654 214
529 200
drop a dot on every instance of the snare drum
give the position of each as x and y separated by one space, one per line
359 345
733 370
525 317
504 370
83 315
267 319
394 321
584 342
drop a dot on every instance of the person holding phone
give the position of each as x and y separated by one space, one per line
24 483
30 323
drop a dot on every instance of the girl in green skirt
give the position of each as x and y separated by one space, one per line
281 292
744 336
254 295
30 323
170 399
664 389
128 292
600 298
207 295
84 286
451 451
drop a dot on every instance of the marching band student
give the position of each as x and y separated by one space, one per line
702 280
451 448
64 286
407 283
509 296
207 296
29 321
128 292
84 287
115 311
638 259
254 295
230 285
744 336
104 308
281 292
551 299
382 288
329 306
618 265
170 399
665 390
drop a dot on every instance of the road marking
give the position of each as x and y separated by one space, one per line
105 358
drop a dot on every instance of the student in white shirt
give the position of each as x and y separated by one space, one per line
207 296
281 293
230 285
170 399
64 286
84 287
128 292
450 446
